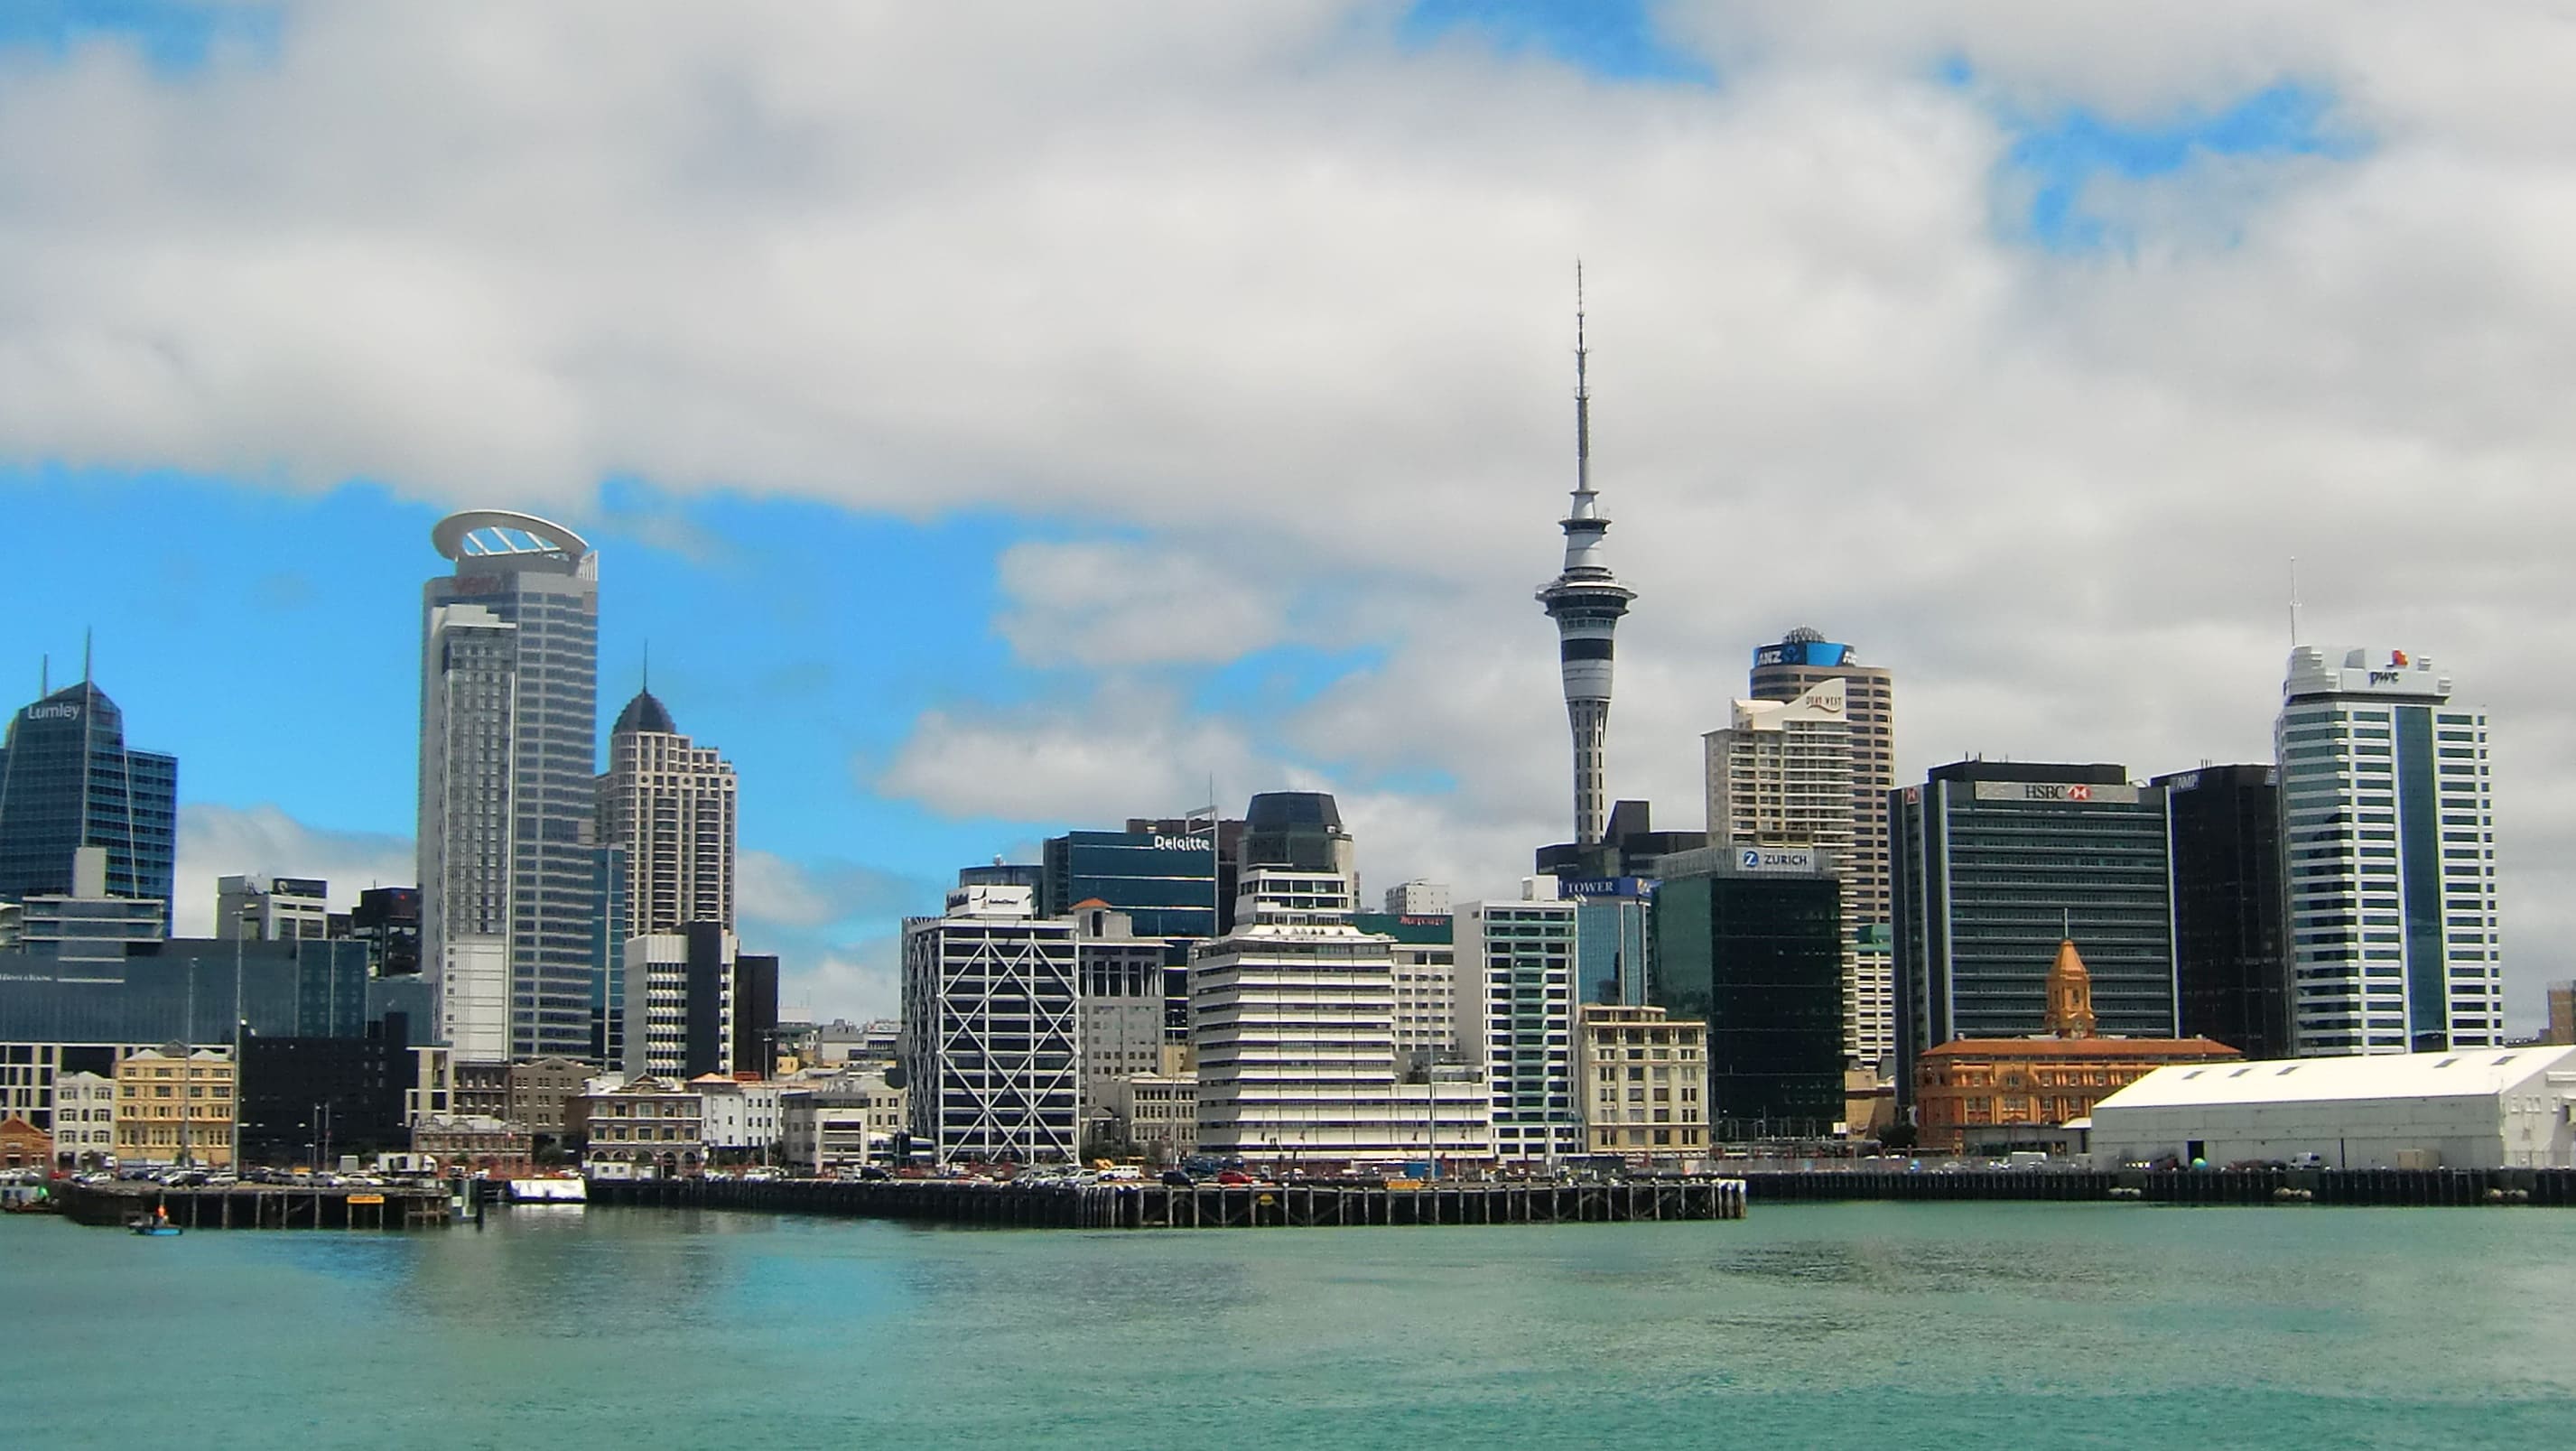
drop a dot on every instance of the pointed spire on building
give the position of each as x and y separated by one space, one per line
2070 995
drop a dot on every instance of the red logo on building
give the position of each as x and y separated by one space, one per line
2079 793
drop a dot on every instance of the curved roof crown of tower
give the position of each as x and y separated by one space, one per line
503 533
1273 809
644 713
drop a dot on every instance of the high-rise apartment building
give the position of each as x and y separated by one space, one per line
1802 661
509 867
2231 981
992 1041
1515 965
1293 1015
1998 862
67 781
668 804
271 909
1586 601
2388 843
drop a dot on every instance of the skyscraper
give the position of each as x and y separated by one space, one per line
668 804
1586 602
992 1029
67 781
1803 660
2231 981
1748 940
1165 883
510 896
1996 863
2388 841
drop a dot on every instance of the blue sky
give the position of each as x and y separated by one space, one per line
263 623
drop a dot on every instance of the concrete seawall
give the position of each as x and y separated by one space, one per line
2390 1187
1203 1206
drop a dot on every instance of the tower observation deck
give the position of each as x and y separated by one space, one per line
1586 602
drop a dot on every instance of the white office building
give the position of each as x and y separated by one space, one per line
2388 845
1515 974
271 909
1293 1018
1418 898
992 1039
84 1120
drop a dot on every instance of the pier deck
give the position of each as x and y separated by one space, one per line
1202 1206
259 1206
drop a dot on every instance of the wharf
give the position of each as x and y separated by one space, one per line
1201 1206
2386 1187
259 1206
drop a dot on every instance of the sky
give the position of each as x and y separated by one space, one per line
995 419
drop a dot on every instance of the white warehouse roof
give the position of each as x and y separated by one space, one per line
2469 1073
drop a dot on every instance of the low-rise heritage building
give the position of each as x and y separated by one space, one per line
24 1146
836 1126
84 1121
475 1144
1642 1078
643 1128
2045 1081
175 1105
1157 1114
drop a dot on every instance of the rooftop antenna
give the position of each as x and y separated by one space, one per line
1582 395
2066 924
85 643
2294 602
648 668
44 676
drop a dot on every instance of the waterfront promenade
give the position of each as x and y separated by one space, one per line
257 1206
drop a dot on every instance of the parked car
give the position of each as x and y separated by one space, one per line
1233 1176
1178 1178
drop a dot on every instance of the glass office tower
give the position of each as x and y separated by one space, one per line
509 867
67 781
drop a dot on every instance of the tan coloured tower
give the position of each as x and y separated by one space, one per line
1803 660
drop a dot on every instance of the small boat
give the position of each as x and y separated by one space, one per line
155 1227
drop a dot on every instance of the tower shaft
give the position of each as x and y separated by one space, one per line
1586 601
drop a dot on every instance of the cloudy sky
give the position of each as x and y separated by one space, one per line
1001 417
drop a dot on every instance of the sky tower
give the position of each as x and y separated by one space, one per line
1586 602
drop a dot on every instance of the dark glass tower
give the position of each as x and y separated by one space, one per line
67 781
1757 954
1299 830
2232 982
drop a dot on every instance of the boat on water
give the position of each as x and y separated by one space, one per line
545 1191
156 1223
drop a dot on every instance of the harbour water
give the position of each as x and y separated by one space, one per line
1987 1325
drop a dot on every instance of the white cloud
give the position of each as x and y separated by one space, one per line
1292 304
1130 603
1126 751
218 841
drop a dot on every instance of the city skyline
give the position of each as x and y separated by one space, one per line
2070 540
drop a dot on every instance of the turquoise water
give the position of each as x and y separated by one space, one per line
1835 1325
